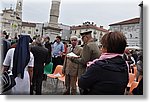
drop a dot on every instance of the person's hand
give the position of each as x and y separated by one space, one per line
61 53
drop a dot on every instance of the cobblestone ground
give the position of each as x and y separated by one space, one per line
49 87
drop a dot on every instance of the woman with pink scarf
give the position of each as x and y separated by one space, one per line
107 75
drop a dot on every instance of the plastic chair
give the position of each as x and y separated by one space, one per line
48 68
56 75
131 79
62 78
133 69
133 85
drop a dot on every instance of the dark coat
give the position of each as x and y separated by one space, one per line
106 77
40 58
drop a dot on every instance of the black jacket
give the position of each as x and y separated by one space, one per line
40 58
105 77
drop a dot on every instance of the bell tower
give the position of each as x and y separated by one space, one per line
19 9
18 17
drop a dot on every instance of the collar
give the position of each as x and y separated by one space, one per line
104 56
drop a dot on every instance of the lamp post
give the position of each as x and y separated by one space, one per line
141 23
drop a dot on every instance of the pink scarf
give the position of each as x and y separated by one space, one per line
103 57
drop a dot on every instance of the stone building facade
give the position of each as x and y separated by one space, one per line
131 29
11 20
97 32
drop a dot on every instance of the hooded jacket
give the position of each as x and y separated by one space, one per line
105 77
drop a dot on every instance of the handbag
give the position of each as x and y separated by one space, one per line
7 81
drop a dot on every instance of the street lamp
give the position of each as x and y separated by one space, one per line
141 23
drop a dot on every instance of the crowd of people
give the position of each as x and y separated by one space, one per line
97 70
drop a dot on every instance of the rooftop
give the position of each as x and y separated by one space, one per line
28 24
87 25
130 21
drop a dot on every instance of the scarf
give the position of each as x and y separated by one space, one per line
103 57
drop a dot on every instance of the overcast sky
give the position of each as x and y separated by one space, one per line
75 12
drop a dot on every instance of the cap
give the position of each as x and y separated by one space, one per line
86 33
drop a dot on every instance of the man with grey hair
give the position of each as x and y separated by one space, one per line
90 52
40 58
71 69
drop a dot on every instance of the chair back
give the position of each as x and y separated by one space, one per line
58 69
62 78
135 70
48 68
131 79
133 85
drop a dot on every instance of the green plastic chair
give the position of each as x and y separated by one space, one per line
48 68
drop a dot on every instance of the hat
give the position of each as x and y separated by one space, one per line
86 33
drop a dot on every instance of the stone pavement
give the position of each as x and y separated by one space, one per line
49 87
